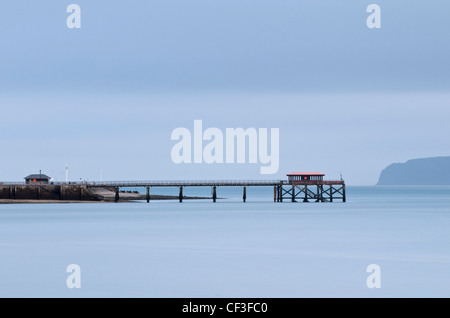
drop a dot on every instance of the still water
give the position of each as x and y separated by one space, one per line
231 249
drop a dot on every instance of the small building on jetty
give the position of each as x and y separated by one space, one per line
305 176
37 179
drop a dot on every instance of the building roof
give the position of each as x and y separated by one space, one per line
37 176
305 174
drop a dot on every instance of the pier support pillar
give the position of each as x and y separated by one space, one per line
305 199
244 195
274 193
117 197
293 193
61 192
214 194
147 196
331 193
343 193
180 195
281 193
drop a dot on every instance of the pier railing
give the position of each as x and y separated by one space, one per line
183 183
178 183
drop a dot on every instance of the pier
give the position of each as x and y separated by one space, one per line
291 190
300 187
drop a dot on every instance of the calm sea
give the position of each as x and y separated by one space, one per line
231 249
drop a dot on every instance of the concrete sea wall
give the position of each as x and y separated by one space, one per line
48 192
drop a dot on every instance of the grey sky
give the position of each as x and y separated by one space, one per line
109 95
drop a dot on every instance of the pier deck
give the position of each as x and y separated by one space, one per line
205 183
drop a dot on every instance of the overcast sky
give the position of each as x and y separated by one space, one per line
105 98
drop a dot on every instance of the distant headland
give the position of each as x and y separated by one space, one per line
423 171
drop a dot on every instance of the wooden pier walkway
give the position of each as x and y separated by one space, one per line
318 191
